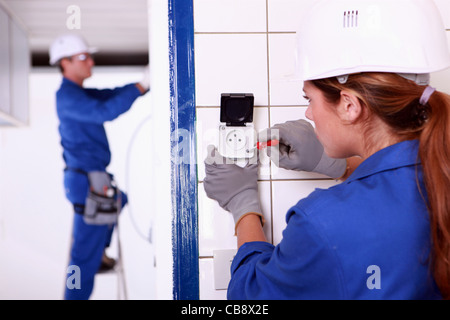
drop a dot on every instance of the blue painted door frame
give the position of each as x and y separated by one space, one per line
183 140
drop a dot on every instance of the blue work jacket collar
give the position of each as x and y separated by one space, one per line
398 155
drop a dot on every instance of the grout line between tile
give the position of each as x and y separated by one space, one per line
268 116
289 180
244 32
216 107
271 106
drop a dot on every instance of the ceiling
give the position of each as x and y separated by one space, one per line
118 28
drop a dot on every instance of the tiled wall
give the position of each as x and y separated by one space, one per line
247 46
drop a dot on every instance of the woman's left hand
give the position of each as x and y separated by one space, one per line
233 187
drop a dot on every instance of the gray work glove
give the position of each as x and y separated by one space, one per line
233 187
299 149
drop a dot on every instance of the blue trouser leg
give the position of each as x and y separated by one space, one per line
88 244
88 241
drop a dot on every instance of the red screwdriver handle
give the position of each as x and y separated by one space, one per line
270 143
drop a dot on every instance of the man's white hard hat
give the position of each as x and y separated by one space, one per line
342 37
68 45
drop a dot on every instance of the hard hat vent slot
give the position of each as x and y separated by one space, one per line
350 19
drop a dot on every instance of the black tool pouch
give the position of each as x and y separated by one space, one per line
102 203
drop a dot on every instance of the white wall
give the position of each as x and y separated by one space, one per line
35 217
159 61
248 46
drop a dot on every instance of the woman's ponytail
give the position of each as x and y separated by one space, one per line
434 152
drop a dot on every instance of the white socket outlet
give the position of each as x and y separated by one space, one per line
237 142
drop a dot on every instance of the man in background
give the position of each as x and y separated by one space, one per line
82 113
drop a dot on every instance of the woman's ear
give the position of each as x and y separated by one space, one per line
349 108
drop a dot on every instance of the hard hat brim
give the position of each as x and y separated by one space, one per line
90 50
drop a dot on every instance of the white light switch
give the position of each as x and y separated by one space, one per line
222 264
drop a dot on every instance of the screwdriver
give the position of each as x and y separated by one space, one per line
270 143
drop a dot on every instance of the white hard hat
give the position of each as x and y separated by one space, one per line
68 45
341 37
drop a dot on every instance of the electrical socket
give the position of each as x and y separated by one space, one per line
236 139
237 142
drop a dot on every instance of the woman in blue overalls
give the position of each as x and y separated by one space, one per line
82 113
383 232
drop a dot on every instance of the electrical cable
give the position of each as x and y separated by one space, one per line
148 237
122 293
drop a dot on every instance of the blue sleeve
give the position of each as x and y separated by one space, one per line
95 106
302 266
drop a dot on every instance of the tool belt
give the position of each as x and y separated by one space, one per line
103 202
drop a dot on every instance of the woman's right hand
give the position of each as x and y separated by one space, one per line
300 150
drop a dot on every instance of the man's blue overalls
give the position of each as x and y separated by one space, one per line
82 113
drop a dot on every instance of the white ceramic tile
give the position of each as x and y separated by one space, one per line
208 121
264 189
283 114
285 15
206 277
229 16
285 195
444 9
261 121
216 226
207 132
230 63
441 80
285 86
